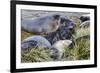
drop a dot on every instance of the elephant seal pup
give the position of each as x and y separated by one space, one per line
58 49
42 25
34 42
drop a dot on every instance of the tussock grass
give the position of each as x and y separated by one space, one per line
36 55
81 51
82 32
25 34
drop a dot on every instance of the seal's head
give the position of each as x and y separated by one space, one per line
54 53
55 23
68 24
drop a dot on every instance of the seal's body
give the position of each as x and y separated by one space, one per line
42 25
34 42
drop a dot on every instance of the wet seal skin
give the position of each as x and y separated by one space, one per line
42 24
34 42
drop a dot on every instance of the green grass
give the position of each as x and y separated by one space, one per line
81 51
36 55
82 32
25 35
